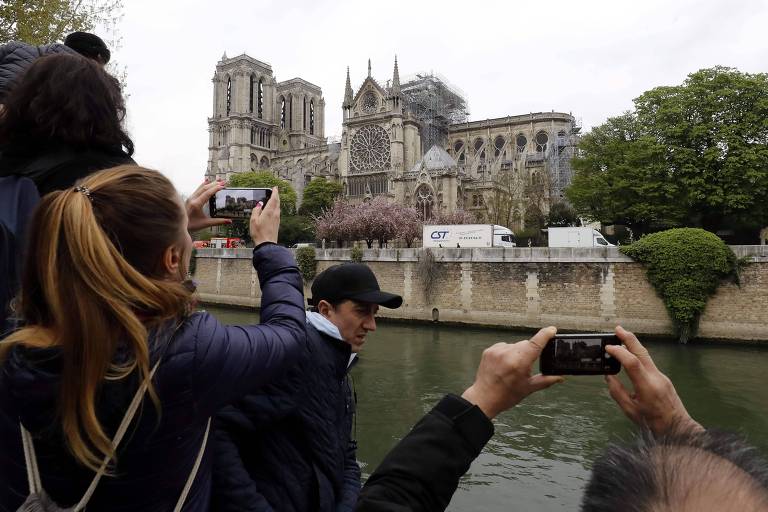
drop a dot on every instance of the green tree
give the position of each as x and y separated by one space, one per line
266 179
295 228
319 195
560 214
694 154
50 21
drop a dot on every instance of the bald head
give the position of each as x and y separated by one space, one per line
700 472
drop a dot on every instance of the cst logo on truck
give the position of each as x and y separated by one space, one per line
438 235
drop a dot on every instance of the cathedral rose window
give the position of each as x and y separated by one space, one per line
370 149
370 103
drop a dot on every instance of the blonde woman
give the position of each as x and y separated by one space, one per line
104 303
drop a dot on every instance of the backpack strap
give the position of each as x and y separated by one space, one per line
193 473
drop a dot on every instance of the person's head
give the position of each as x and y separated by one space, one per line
105 263
689 472
89 45
349 296
67 99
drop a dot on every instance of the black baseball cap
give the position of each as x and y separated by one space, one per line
353 281
88 45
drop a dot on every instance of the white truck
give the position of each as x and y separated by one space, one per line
576 237
467 235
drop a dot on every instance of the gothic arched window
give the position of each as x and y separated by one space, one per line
311 117
229 94
253 135
499 145
282 112
250 100
478 144
261 98
304 119
424 202
541 142
290 113
521 142
458 146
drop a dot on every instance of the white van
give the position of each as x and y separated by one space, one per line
576 237
467 235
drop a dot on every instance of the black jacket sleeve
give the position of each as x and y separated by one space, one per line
422 471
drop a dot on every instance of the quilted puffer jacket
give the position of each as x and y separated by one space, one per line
16 57
206 366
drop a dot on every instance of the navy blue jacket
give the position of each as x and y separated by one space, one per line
18 197
207 366
288 447
16 57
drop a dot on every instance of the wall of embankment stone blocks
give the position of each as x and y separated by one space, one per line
585 289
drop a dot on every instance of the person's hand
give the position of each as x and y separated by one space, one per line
197 218
504 376
265 220
654 403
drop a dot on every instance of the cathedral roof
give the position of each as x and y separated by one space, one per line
435 159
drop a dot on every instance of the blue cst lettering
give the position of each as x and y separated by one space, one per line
438 235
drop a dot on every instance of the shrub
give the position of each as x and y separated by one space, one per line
429 270
685 266
356 255
305 259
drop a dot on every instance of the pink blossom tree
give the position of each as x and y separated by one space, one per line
455 217
409 225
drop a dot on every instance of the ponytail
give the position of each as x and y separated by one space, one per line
83 293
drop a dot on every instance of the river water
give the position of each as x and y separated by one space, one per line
540 456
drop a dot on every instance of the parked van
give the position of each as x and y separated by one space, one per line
576 237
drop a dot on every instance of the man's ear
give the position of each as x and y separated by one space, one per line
172 260
324 308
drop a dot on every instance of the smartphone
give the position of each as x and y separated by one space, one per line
237 203
579 354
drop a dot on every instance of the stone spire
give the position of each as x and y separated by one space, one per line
348 92
396 80
369 68
224 57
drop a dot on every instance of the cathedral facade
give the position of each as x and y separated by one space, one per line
504 170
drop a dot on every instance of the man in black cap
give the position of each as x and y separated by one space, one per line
289 447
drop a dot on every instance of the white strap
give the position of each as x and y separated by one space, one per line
193 473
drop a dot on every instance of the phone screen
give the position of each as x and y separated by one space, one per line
579 354
237 203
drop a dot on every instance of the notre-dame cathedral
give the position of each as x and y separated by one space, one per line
410 142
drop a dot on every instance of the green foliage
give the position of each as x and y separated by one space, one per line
685 266
266 179
694 154
50 21
295 228
560 214
356 254
319 195
305 259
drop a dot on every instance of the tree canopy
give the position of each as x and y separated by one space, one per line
319 195
50 21
693 155
266 179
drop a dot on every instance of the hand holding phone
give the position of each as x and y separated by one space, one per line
580 354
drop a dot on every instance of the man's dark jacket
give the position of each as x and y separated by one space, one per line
16 57
422 471
288 447
205 367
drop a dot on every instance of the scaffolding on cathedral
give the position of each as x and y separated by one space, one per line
436 105
561 155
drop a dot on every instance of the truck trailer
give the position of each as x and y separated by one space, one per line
467 235
576 237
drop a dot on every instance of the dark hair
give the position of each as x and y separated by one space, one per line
89 45
65 98
661 473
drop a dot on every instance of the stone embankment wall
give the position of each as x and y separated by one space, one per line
574 289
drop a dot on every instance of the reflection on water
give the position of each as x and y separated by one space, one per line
540 457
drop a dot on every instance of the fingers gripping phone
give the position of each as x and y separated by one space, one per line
237 203
579 354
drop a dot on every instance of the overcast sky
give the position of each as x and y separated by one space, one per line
587 57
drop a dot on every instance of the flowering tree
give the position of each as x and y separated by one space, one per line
408 225
455 217
332 223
